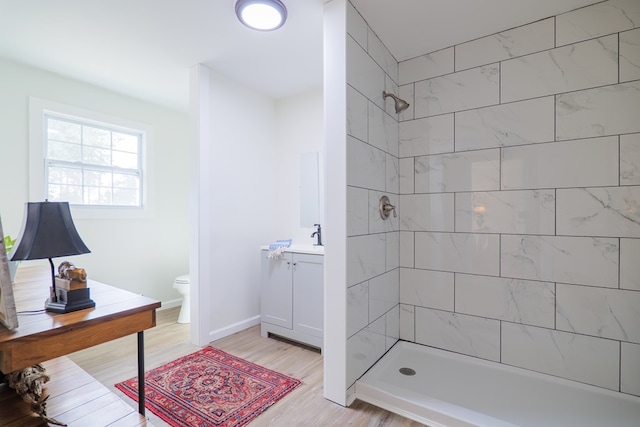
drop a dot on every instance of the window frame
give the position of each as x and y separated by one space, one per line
38 167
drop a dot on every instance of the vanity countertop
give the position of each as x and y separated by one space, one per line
301 249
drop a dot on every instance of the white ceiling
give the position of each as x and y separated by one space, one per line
144 48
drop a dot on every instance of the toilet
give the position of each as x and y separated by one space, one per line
182 284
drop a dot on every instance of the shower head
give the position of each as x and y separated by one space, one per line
401 104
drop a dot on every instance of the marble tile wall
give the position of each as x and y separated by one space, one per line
517 123
564 69
471 88
373 170
629 54
521 41
519 205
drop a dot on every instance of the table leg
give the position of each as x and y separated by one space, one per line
141 372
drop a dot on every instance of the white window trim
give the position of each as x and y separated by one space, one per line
37 180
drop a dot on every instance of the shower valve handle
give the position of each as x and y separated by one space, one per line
389 207
386 208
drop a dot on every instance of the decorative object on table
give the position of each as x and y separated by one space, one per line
277 248
48 232
8 315
71 286
29 384
210 387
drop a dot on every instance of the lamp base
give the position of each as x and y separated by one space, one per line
68 301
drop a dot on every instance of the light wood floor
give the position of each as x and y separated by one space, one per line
74 398
305 406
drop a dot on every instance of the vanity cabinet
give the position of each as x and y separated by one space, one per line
292 297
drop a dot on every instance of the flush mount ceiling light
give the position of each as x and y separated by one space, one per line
263 15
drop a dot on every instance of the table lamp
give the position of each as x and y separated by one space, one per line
48 232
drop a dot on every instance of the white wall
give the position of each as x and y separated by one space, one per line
143 256
248 179
335 259
299 129
239 146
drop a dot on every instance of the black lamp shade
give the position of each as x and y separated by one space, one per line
48 232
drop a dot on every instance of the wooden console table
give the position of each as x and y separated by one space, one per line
43 336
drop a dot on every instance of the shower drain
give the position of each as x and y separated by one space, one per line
407 371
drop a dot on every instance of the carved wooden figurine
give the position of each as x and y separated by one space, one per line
71 277
29 384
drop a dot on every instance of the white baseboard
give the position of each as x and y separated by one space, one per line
170 304
232 329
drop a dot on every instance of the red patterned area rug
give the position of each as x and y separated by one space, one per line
210 388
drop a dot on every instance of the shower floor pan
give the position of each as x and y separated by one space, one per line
453 390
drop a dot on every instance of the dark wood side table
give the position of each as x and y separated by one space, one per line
44 336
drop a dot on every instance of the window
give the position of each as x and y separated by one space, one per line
97 162
92 164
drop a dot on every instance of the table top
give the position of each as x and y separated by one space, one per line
31 289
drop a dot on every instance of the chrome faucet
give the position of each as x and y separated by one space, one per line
318 234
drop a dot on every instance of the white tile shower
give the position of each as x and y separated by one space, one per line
517 182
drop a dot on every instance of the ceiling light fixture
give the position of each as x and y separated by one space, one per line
262 15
